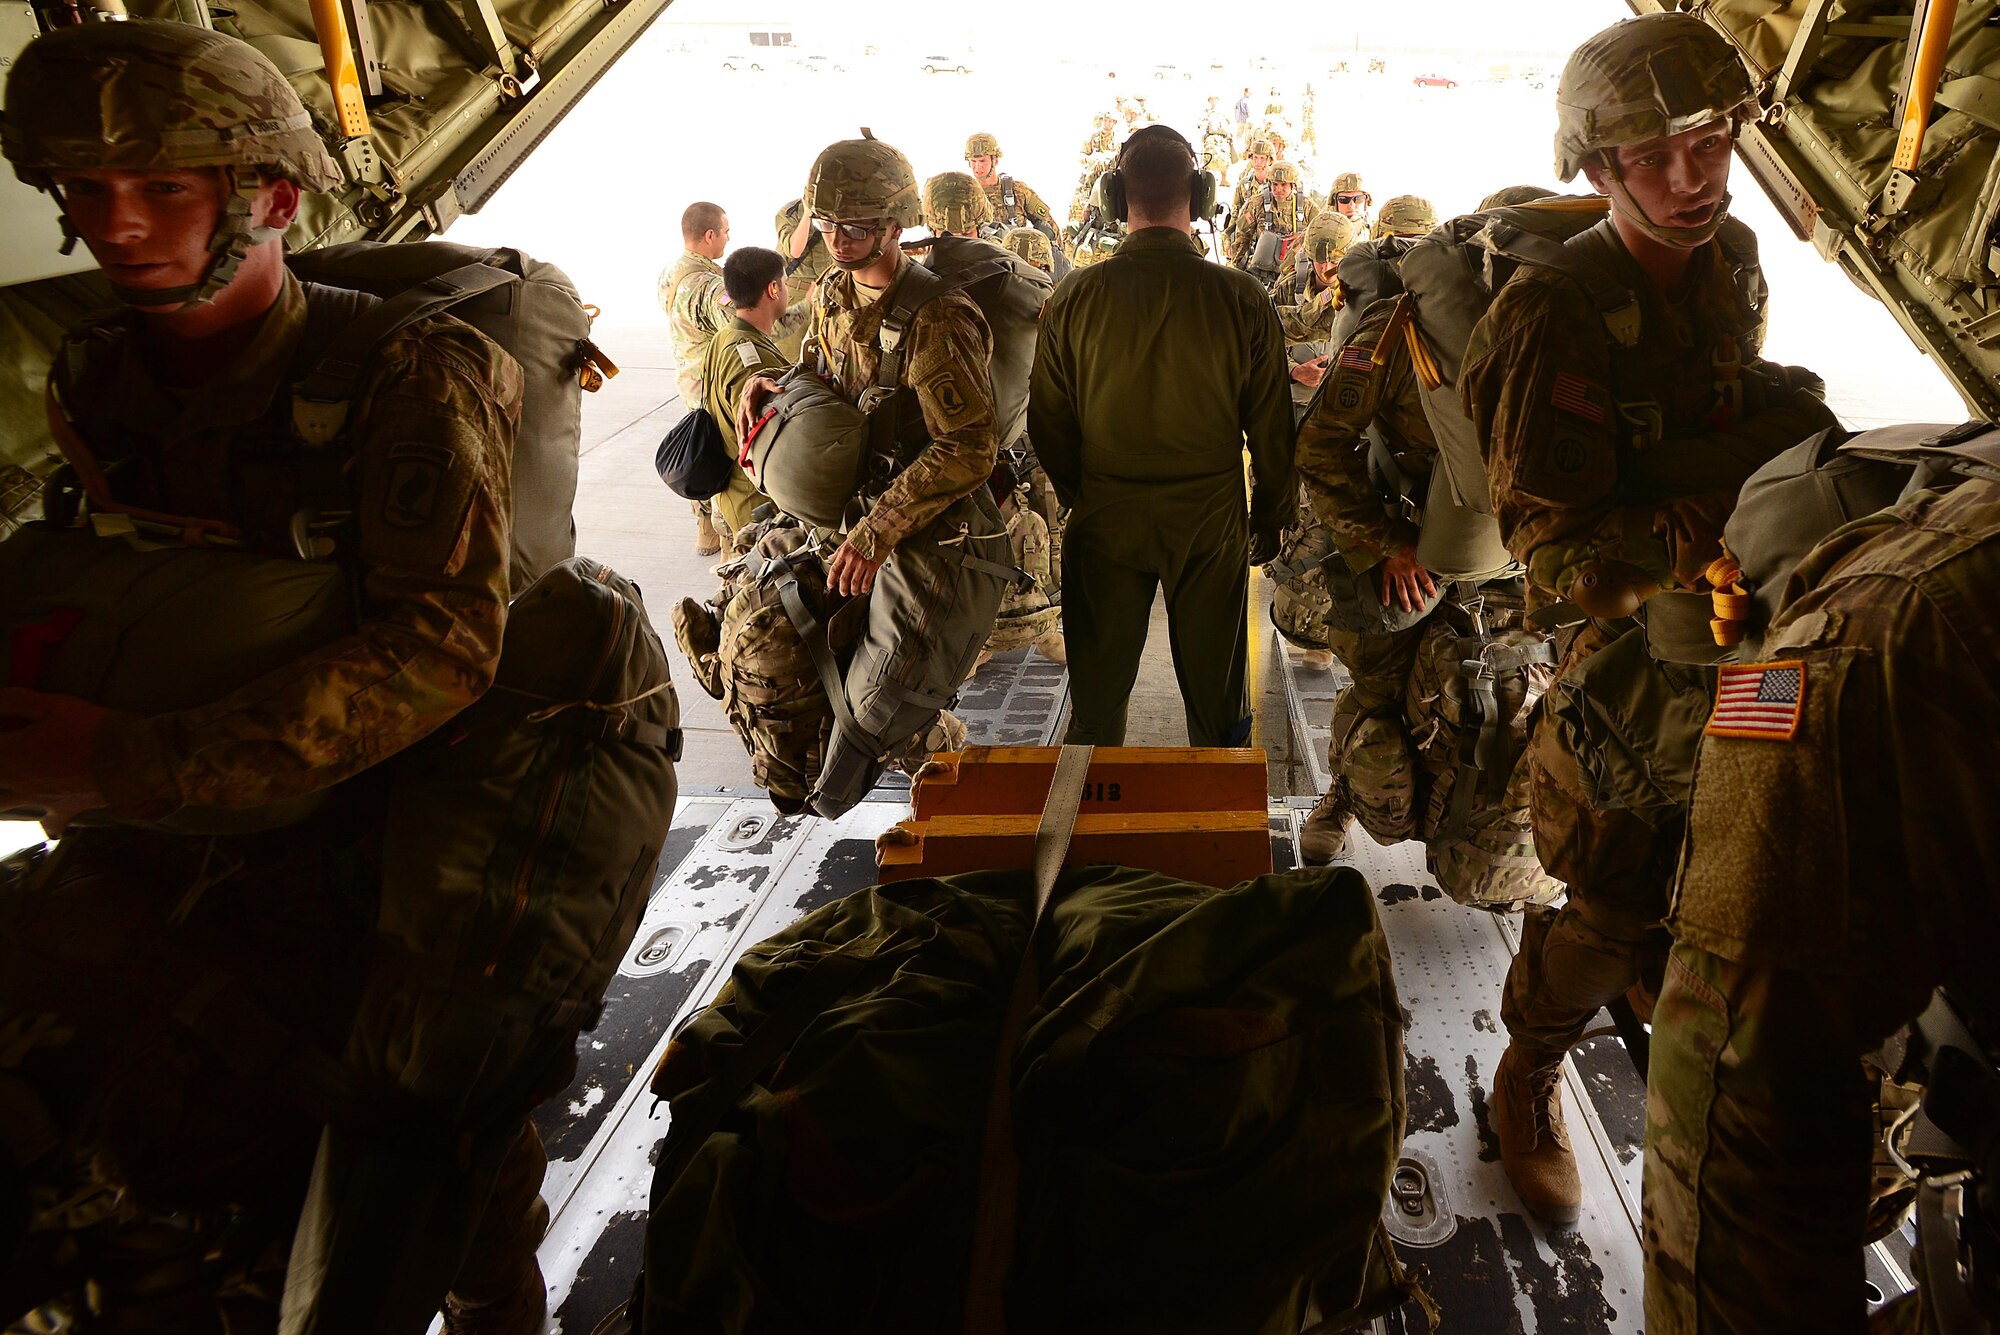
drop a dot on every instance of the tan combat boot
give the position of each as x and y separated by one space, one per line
707 542
1052 647
1534 1143
1325 832
525 1311
1316 660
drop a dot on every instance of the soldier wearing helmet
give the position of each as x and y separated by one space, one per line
1103 135
178 156
1013 203
954 205
1259 155
1349 197
1621 402
1307 294
1280 212
1406 215
861 194
1031 246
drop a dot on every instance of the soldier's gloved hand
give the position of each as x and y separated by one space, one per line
1263 546
851 573
751 406
46 742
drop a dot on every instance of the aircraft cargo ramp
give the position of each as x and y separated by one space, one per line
735 872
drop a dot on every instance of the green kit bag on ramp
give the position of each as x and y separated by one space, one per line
1205 1095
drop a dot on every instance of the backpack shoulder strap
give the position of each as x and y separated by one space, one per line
321 398
1588 259
916 287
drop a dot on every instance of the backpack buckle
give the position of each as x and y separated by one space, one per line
318 421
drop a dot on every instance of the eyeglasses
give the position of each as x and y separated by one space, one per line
853 231
1347 197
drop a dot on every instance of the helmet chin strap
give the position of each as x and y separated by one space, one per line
231 242
1680 238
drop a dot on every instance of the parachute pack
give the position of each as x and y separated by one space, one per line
1010 296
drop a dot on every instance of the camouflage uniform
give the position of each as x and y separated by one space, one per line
690 292
1249 182
1265 212
1307 306
1587 498
1372 383
123 926
1103 138
1832 877
789 334
1028 209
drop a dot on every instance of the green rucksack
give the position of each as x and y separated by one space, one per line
1205 1101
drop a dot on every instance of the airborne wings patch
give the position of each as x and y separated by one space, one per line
1580 398
1759 700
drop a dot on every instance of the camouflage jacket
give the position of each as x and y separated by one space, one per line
440 403
1246 186
790 332
1840 863
690 291
948 406
1028 209
1628 456
1369 381
1264 211
1306 306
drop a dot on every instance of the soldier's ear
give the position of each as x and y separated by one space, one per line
277 203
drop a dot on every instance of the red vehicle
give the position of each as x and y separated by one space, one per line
1434 81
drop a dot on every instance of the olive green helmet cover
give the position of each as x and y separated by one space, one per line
1406 215
1644 78
863 178
953 202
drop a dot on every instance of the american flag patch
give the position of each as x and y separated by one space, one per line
1759 700
1580 398
1357 359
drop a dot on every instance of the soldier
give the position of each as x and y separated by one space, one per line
1349 198
806 261
754 279
163 1156
954 205
1615 456
860 195
1281 212
1308 293
1155 481
690 292
1014 204
1103 136
1260 156
1406 215
1840 865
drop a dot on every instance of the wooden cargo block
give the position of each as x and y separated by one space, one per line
1218 848
1014 780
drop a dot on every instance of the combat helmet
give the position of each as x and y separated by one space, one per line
982 144
1031 246
863 178
1284 171
953 202
1406 215
1329 236
1259 145
1647 78
1349 183
157 95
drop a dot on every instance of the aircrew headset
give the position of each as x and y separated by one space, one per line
1110 190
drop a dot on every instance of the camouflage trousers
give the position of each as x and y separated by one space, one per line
1609 934
1369 753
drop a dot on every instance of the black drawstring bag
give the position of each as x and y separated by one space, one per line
693 459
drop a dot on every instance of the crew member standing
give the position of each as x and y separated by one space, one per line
1152 369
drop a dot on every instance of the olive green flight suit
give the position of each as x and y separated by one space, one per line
1582 491
1840 863
1153 368
737 352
